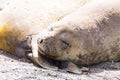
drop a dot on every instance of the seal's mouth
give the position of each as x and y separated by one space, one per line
52 62
41 51
46 53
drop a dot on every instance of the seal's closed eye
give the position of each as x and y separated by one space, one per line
64 44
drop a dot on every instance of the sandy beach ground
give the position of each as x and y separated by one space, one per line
13 68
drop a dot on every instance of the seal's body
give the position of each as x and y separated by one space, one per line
87 36
22 18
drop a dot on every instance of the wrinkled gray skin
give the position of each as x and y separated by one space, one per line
88 36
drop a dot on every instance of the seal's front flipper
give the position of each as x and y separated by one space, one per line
72 68
22 48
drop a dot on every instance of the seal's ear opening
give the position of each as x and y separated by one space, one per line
64 44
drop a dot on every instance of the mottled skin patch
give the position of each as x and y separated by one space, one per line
90 35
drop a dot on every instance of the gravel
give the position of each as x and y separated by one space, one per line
13 68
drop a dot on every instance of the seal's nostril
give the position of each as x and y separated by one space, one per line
40 41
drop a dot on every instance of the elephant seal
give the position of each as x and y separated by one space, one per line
87 36
20 19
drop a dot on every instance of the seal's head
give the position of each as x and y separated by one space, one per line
59 42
